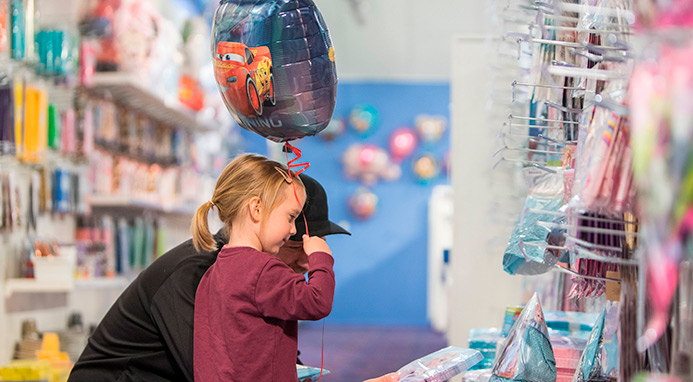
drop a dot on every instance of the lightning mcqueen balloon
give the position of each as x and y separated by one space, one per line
274 66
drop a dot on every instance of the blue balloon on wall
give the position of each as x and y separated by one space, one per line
274 66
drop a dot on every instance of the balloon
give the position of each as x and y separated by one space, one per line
334 130
402 143
363 203
363 118
369 163
426 167
274 66
431 127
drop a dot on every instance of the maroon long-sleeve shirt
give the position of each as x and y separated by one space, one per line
246 308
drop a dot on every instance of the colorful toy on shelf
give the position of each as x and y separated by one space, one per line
274 66
101 23
190 93
363 119
402 143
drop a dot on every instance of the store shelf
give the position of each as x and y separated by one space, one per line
125 204
102 283
128 90
24 285
13 286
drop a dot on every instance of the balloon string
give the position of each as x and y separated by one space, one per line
290 163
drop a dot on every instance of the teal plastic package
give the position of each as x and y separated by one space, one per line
526 354
309 374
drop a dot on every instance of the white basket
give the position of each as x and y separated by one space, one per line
56 268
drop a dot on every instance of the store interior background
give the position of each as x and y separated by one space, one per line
404 58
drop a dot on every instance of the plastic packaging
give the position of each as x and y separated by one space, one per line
570 321
309 374
526 354
482 375
599 362
523 255
440 365
486 341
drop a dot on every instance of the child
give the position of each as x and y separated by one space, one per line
248 302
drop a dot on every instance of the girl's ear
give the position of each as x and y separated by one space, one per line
255 208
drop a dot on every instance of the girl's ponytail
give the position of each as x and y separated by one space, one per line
202 238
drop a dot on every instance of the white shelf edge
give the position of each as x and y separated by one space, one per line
102 282
24 285
116 201
128 87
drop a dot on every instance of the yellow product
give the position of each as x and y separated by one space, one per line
43 119
35 126
31 123
50 351
26 370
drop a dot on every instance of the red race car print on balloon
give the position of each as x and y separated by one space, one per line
245 76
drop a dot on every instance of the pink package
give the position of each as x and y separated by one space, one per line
567 363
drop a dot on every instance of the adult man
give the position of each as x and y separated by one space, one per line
147 335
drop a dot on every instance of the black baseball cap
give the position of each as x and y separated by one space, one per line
315 211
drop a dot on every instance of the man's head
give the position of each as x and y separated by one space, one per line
316 214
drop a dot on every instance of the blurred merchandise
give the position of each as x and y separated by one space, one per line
526 353
310 374
486 341
439 366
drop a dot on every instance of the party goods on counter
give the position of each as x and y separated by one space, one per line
486 341
309 374
440 365
526 354
599 361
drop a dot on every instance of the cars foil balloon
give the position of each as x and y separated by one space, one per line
274 66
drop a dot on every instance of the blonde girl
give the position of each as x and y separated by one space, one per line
248 302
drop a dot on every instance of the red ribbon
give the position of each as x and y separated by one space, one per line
303 166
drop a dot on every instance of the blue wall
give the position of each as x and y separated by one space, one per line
381 268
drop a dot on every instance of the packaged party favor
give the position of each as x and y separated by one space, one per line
599 361
526 354
309 374
439 366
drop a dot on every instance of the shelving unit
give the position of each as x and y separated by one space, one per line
125 205
127 90
23 285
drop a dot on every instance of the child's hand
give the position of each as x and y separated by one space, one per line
313 244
